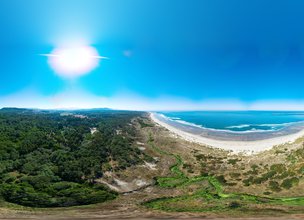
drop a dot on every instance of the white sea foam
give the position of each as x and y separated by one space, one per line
234 146
189 123
174 118
239 126
273 127
212 129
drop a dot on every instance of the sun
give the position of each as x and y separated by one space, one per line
72 62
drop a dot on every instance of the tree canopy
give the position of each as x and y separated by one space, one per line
52 158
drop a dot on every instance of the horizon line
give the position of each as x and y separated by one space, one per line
179 110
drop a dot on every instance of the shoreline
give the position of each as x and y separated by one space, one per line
248 147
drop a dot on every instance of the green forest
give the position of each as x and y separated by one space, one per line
52 158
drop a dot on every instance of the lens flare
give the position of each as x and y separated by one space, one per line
74 62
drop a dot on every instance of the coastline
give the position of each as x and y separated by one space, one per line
248 147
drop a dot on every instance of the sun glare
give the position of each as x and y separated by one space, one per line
73 62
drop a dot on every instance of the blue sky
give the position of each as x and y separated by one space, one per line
163 54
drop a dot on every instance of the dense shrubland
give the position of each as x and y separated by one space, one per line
51 158
275 177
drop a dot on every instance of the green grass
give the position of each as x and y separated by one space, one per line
211 198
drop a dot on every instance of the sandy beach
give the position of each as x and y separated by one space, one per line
248 147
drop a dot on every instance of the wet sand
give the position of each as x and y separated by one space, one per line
248 143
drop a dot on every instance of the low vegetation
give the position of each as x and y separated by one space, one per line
205 193
59 159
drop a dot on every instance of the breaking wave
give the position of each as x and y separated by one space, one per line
242 128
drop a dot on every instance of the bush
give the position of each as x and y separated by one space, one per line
233 161
274 186
288 183
57 195
221 179
234 205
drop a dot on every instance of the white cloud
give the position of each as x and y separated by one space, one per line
77 98
280 105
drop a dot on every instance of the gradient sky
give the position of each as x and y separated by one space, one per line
163 54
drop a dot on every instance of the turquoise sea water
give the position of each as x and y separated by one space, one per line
237 121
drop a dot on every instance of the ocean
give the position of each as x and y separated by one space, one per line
237 121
